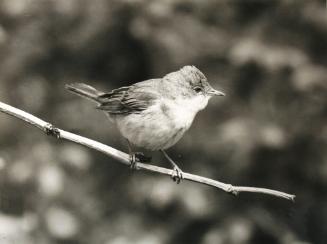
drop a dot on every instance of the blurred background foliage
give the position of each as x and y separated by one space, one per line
269 131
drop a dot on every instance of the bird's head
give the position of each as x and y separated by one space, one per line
191 84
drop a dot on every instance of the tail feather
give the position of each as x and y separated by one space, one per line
85 91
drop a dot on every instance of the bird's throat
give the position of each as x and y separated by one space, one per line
183 111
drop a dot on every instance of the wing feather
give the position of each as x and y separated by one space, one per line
129 99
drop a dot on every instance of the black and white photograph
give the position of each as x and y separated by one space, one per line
163 122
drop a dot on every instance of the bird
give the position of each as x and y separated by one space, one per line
154 114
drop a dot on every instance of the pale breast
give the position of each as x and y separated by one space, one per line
160 126
150 129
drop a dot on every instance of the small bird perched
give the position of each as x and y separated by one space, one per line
154 114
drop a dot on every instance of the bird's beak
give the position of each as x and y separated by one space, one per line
214 92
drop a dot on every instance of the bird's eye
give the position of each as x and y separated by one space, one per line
197 89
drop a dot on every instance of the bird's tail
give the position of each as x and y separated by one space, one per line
85 91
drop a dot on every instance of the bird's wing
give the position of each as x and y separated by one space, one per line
130 99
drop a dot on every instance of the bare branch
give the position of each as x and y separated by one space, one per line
124 158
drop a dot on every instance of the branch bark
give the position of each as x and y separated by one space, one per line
122 157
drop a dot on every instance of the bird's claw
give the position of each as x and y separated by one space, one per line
142 158
50 130
138 157
177 175
133 160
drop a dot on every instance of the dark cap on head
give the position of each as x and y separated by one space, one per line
192 82
196 78
192 74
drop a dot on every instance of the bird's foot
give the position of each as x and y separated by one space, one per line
50 130
138 157
177 175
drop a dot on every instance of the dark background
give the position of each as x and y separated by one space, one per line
269 57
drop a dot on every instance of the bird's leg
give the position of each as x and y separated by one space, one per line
177 175
136 157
